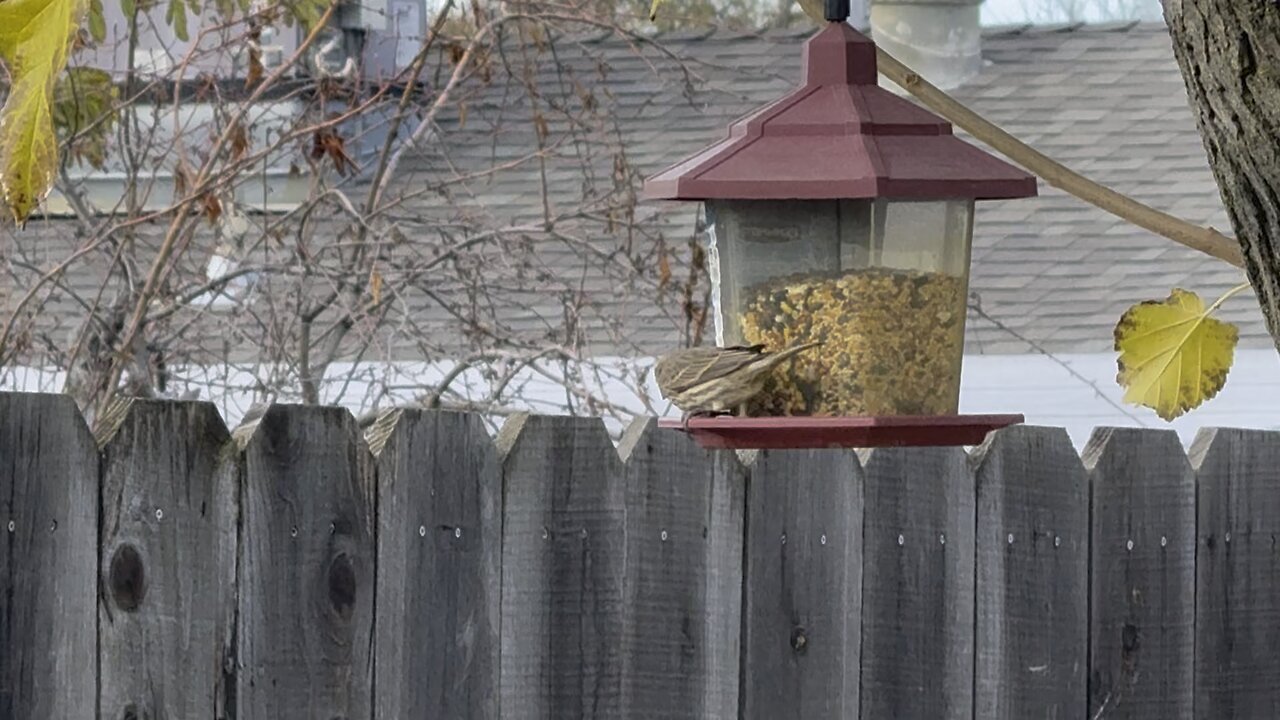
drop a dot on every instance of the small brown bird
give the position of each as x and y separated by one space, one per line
715 380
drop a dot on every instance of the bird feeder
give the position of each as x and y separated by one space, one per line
844 213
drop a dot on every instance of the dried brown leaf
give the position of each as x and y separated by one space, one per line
328 143
239 142
456 51
255 72
211 207
181 179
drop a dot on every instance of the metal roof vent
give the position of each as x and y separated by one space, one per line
940 39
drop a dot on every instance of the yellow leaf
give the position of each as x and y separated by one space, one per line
35 39
1173 356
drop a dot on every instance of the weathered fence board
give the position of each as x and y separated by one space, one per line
164 596
306 570
725 567
48 559
1237 574
440 551
918 584
802 613
281 571
1032 577
683 589
563 569
1142 619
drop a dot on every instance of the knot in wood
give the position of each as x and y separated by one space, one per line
342 585
799 641
127 578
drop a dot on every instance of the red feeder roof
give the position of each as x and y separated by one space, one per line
840 135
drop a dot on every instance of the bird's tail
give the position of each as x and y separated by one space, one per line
783 355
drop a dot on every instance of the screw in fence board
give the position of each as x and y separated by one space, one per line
306 567
48 558
1237 671
162 561
1032 576
917 584
802 613
439 573
683 594
563 568
1142 582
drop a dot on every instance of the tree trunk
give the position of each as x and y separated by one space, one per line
1229 54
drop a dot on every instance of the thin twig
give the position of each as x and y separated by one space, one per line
976 307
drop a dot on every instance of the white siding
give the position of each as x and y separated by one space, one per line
1048 394
1035 385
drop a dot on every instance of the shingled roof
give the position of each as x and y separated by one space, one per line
1052 273
1107 101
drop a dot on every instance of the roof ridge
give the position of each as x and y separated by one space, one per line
1026 28
711 32
593 35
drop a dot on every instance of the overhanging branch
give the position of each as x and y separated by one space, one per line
1206 240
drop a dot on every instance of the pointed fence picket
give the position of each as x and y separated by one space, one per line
298 568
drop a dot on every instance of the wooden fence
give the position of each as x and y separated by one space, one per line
294 569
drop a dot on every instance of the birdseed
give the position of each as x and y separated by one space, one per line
893 342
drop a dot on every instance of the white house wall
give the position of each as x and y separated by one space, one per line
1048 394
1038 386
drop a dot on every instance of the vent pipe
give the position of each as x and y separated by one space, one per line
939 39
860 15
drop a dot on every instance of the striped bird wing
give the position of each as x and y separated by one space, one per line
703 364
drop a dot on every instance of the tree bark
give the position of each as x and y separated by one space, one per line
1229 54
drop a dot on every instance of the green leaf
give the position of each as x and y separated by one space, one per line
128 7
304 12
35 39
84 113
97 21
176 17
